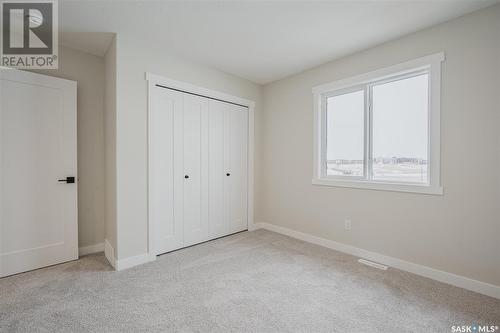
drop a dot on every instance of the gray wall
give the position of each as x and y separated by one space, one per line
457 232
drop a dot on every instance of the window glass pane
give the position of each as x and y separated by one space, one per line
345 134
400 130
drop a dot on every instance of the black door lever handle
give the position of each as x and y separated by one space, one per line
69 180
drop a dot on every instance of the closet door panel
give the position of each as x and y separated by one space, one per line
228 169
195 177
236 165
166 111
216 219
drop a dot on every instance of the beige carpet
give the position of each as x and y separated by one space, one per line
253 281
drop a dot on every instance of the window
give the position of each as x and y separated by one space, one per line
381 130
345 115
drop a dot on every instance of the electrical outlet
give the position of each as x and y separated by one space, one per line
347 224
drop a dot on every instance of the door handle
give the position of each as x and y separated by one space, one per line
186 176
68 180
228 174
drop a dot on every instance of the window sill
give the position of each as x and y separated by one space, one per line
380 186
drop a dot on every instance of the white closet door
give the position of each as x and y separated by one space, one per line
198 169
218 223
38 150
195 169
166 169
235 161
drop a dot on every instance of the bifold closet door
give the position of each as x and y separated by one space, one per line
218 224
197 169
166 174
235 164
195 159
227 168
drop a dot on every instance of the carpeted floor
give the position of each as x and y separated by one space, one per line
249 282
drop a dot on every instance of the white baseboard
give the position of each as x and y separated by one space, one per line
432 273
109 252
253 226
84 250
129 262
121 264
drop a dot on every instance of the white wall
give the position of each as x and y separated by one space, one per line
88 71
135 56
110 145
457 232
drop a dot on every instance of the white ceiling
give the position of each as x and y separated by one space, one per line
260 41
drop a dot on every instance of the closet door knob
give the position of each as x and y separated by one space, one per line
228 174
186 176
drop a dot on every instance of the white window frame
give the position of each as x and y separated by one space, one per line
429 64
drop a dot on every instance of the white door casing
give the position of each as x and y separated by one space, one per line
38 146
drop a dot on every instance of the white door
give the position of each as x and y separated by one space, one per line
38 213
197 169
235 163
166 169
217 221
227 168
195 151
